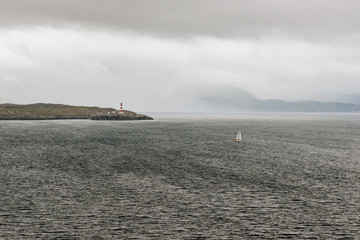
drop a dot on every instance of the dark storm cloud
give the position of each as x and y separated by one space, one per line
200 17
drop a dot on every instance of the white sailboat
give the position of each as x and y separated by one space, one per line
238 137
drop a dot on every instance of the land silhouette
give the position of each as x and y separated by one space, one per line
47 111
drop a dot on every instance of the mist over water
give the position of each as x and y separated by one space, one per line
182 177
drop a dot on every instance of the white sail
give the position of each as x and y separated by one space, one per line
239 135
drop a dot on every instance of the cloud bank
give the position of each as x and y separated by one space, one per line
161 55
189 17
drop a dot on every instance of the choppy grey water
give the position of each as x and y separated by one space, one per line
182 177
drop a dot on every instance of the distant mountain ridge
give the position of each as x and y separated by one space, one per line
351 98
230 99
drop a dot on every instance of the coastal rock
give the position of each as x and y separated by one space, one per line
121 117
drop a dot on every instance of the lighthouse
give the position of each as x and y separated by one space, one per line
121 108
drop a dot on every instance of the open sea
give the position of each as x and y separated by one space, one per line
294 176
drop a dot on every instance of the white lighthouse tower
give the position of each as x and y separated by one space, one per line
121 108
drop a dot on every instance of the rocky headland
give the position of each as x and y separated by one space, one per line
121 116
47 111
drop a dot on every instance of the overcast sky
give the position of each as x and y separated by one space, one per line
160 54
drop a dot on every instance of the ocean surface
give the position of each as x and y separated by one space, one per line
294 176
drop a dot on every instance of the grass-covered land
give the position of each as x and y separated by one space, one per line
43 111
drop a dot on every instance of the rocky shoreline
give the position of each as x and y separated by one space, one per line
120 117
40 118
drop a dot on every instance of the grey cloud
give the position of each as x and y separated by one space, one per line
157 54
200 17
153 73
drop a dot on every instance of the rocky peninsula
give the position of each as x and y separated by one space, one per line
47 111
121 116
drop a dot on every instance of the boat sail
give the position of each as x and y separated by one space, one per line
238 137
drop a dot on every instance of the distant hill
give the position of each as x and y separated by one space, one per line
352 98
308 106
45 111
230 99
